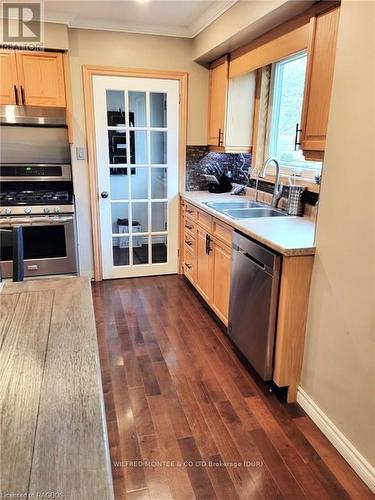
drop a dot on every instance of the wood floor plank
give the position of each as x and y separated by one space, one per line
156 475
176 413
149 379
199 478
302 471
204 403
281 474
250 453
338 466
178 479
220 479
142 415
128 439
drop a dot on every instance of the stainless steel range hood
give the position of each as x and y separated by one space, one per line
33 135
32 115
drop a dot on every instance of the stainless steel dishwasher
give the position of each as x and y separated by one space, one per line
253 302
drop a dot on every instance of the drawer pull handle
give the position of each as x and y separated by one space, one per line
189 266
189 243
188 227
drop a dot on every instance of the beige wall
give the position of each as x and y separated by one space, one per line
339 362
134 51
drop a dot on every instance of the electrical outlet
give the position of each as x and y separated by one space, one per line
80 153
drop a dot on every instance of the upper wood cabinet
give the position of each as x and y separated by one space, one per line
231 109
33 79
41 76
217 98
8 80
318 85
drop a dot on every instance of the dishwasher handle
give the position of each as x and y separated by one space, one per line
253 259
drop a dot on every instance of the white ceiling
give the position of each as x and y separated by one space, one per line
183 18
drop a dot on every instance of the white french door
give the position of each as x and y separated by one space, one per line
136 126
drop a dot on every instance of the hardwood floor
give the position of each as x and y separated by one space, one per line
176 393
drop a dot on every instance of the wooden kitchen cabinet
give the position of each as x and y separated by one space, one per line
217 101
231 109
33 79
318 86
206 255
41 78
203 264
221 269
8 80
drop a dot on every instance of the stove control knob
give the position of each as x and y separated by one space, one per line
57 210
46 210
28 210
7 211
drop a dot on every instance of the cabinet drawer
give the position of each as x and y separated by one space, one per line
222 231
189 243
189 264
189 228
204 220
190 211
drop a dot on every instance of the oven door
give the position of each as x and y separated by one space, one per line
49 245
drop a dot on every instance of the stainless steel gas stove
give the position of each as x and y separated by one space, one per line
36 192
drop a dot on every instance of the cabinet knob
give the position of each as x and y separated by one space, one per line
104 194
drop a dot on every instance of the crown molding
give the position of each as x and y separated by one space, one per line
209 15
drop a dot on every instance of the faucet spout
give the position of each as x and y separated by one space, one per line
278 189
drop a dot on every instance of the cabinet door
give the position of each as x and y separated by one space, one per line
42 78
8 80
319 77
217 101
221 269
203 265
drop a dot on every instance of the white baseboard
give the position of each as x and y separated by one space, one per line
362 467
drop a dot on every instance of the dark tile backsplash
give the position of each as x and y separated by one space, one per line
199 157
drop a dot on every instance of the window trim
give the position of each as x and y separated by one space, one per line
286 169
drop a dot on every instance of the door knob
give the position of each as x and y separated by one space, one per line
104 194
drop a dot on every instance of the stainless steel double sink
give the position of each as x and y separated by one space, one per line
244 209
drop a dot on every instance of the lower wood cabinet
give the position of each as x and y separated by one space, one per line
206 243
204 265
207 257
221 269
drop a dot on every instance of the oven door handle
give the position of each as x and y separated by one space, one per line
30 221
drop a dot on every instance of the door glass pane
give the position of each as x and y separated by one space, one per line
140 217
158 109
120 217
138 147
159 249
119 183
139 180
116 147
159 216
137 109
120 249
140 250
158 183
115 107
158 147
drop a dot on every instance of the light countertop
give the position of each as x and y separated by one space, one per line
287 235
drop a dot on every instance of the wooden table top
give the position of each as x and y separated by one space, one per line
53 437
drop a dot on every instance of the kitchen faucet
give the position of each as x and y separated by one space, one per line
278 189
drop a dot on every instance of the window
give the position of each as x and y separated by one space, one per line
287 86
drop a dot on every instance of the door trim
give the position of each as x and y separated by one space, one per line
88 72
